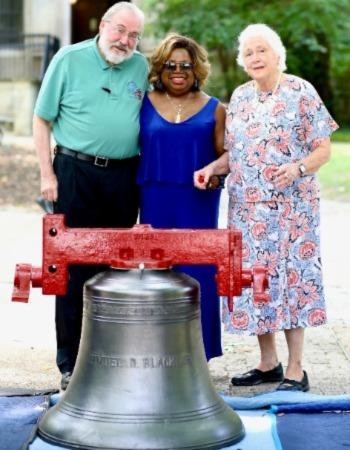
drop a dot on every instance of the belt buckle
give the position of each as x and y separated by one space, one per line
101 161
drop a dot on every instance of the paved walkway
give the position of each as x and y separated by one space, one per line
27 341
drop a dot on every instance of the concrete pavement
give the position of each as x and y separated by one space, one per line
27 340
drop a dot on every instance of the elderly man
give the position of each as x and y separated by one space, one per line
91 96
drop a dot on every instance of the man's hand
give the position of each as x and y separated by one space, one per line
49 187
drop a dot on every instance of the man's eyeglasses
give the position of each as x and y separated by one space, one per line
132 36
181 66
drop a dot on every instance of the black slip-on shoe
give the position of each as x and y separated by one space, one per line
293 385
256 376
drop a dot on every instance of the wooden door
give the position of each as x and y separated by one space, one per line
86 16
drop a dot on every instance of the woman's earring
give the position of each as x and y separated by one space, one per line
195 85
158 85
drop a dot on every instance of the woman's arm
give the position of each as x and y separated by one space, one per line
218 167
201 178
319 156
219 132
288 173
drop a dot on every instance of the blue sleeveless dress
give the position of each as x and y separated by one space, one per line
170 153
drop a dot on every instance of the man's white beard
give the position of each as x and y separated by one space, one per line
112 57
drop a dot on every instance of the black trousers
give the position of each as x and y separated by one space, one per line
89 196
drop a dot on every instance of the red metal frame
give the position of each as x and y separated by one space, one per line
139 247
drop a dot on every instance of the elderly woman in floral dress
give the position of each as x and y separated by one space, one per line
277 136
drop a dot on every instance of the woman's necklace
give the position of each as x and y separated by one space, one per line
178 107
270 96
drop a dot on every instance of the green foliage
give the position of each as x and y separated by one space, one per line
316 35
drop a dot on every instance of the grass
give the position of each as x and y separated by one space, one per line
341 135
334 176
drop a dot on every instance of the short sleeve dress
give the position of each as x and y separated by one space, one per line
170 153
280 228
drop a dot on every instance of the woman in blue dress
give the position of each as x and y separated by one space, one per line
182 129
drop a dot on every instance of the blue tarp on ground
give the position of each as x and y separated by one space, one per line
297 401
273 421
314 431
18 419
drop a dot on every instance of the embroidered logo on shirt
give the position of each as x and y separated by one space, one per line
134 91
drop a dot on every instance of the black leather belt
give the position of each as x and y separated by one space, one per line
99 161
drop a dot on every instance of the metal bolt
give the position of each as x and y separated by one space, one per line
52 232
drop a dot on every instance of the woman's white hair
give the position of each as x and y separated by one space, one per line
269 35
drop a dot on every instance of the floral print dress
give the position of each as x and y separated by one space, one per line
280 228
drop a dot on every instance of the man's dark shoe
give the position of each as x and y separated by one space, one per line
256 376
293 385
66 376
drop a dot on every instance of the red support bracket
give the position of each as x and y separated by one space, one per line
139 247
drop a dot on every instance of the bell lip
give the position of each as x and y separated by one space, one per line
236 435
65 444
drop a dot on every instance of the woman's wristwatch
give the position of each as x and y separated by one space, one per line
302 170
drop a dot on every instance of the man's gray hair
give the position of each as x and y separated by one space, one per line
260 30
121 6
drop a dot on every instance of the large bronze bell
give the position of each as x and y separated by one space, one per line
141 380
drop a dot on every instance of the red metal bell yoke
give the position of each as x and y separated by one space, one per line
141 247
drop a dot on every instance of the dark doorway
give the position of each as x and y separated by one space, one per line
86 16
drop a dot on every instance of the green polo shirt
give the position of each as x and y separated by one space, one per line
93 106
